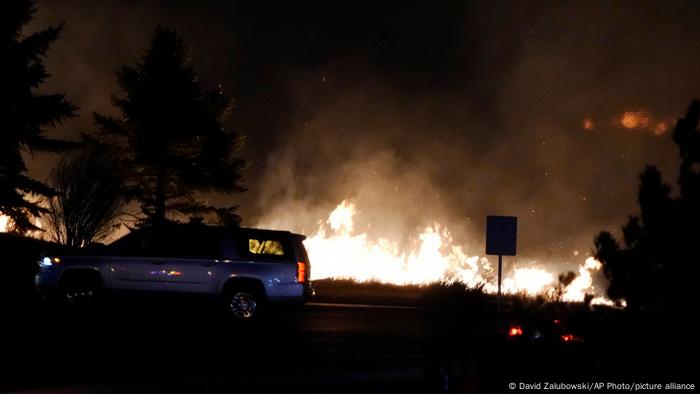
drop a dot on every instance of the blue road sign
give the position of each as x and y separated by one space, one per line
501 235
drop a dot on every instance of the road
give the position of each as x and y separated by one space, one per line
319 348
315 348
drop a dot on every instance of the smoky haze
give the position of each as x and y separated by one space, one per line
440 112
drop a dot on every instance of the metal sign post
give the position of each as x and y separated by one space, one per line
501 239
500 269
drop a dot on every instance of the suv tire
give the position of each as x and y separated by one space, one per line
243 303
80 290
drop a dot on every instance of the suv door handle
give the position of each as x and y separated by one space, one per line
208 264
156 262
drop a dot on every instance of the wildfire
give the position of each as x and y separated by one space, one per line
660 128
4 221
5 227
531 281
337 251
635 120
576 291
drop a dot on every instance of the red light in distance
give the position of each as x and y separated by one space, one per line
515 331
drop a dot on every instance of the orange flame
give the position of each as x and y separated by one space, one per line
4 222
641 119
337 251
635 119
660 128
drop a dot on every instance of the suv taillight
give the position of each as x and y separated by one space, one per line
301 272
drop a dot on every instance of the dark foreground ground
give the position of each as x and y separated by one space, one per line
310 349
325 347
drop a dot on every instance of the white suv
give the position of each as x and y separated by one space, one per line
245 268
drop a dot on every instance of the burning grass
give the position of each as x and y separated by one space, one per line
338 250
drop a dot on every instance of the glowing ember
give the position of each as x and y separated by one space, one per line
588 124
570 338
515 331
336 251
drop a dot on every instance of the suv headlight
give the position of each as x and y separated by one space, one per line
48 262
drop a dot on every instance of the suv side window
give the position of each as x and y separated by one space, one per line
173 242
137 243
265 246
186 242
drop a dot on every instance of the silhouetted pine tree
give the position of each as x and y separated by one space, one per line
170 135
25 116
658 261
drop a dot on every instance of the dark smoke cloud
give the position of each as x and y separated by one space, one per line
432 112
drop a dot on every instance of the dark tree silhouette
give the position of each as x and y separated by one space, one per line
564 280
171 136
654 267
90 201
26 115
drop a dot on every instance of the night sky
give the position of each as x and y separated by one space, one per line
436 111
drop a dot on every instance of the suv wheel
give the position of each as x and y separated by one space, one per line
243 304
78 292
